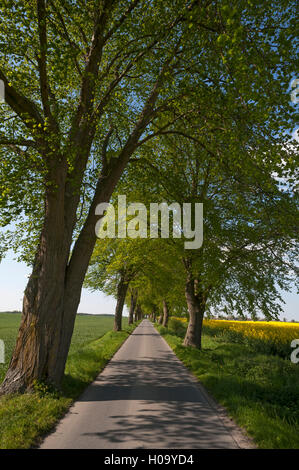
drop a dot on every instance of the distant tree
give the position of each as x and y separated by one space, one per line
250 225
113 266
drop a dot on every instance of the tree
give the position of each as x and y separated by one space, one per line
113 266
133 303
165 313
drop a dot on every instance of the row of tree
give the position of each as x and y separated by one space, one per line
250 232
180 100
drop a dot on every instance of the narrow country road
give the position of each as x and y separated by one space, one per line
144 398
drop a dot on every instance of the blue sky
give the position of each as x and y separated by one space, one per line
13 280
14 276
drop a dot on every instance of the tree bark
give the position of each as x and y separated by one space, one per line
154 315
165 313
135 313
138 313
122 289
161 319
141 314
196 306
53 292
132 306
35 353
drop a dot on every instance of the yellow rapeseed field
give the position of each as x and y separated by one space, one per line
278 334
274 331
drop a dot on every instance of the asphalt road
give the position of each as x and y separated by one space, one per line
145 398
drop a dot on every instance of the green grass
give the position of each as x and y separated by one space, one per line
261 392
9 324
24 419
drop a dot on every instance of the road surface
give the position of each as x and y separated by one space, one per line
145 398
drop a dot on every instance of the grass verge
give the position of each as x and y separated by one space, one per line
24 419
261 392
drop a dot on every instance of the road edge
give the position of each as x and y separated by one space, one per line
42 437
240 436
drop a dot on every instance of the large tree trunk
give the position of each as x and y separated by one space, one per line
53 294
132 306
36 351
165 313
196 307
122 289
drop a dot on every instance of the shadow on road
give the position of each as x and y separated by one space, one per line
168 403
144 398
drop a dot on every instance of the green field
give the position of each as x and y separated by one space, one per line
260 391
24 419
87 328
9 323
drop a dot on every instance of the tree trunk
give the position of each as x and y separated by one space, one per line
53 293
132 306
165 313
36 351
122 289
196 307
161 319
135 313
138 313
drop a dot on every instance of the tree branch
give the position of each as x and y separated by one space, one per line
67 36
21 142
104 151
65 7
23 107
91 70
121 20
162 130
42 57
